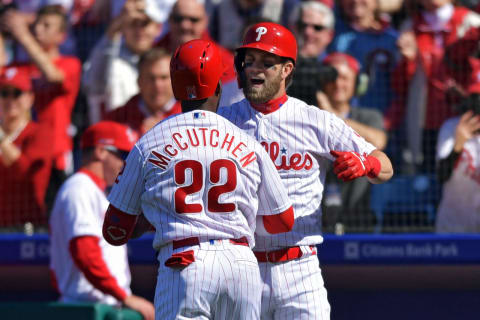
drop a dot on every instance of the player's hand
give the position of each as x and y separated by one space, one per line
143 306
350 165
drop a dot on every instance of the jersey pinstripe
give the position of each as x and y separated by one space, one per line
298 139
196 174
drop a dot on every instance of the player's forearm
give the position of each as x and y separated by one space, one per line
41 58
386 168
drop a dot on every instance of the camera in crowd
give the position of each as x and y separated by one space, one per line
310 76
470 103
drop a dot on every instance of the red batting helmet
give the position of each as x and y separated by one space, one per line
271 37
195 70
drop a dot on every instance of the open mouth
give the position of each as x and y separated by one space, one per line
256 81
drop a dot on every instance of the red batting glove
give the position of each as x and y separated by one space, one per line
350 165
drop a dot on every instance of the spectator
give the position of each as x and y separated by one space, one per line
367 35
85 267
422 79
188 20
56 80
458 168
155 100
230 16
312 23
348 204
25 155
111 72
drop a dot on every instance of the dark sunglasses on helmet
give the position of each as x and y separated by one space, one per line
14 92
316 27
179 18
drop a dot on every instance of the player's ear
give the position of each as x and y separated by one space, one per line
287 69
100 152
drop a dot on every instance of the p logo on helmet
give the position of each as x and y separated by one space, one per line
269 37
260 32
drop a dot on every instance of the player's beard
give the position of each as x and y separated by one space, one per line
264 93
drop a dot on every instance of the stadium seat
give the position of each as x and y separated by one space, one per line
405 194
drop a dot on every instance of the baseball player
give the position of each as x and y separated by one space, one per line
200 181
300 140
85 267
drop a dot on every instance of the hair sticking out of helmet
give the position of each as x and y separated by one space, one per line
195 70
270 37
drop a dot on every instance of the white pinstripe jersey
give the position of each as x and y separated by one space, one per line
197 174
298 138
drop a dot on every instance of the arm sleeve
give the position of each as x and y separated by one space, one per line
118 226
341 137
276 223
446 156
130 185
87 255
445 166
272 194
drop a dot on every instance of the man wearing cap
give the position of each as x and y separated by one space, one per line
110 77
85 268
25 153
347 204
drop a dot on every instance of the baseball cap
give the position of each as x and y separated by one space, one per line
17 77
339 57
110 134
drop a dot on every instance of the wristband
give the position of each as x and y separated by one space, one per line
375 166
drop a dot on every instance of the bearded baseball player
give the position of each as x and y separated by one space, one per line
84 266
300 139
200 181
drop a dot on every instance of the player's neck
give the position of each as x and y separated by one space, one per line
95 168
271 105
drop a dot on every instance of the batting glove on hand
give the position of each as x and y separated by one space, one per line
350 165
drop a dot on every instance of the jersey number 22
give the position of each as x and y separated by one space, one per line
214 192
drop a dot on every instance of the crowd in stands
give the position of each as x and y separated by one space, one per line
400 72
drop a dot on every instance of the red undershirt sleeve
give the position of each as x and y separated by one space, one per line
87 255
279 223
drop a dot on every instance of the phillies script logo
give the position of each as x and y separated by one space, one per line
296 161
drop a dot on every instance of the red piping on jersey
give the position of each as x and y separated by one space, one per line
279 223
101 184
87 255
270 106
